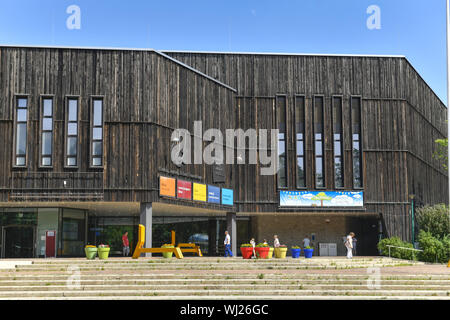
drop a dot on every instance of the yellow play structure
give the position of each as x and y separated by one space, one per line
177 250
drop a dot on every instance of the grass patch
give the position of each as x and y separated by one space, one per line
261 276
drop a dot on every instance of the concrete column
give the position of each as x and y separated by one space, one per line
231 228
146 220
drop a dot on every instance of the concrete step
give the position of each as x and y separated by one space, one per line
230 293
237 297
172 282
229 287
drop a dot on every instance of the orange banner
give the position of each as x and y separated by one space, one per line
166 187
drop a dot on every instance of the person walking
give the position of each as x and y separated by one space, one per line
126 244
349 245
227 243
252 242
276 241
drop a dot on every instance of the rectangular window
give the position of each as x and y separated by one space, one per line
356 141
72 123
319 141
20 155
281 121
300 140
97 133
337 143
46 132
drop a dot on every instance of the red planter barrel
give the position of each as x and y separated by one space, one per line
246 252
262 252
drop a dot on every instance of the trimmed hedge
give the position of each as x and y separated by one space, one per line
396 252
434 250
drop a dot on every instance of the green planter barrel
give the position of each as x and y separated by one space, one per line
90 253
167 255
103 253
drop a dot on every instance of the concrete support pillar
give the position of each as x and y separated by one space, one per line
145 219
231 228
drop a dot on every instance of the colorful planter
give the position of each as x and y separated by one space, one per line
262 252
280 253
103 253
91 252
270 254
296 253
247 252
167 255
308 253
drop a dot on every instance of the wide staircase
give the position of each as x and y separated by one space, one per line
220 278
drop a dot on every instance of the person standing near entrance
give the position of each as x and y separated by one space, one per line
253 243
306 242
227 243
126 244
349 245
354 240
276 242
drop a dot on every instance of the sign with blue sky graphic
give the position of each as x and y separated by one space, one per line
321 199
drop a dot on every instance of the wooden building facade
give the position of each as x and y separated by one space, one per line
80 125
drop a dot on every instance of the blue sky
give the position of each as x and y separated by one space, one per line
413 28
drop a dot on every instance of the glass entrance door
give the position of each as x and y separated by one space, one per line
18 241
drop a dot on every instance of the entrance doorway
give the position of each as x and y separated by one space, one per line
18 241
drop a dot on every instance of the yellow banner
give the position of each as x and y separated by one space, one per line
199 192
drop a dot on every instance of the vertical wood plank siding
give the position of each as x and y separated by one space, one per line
401 118
146 97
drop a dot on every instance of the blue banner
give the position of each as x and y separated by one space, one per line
213 194
321 199
227 197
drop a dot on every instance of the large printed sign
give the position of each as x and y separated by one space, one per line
321 199
199 192
213 194
166 187
227 197
184 190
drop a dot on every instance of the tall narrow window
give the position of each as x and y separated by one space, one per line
281 120
97 133
356 142
20 156
71 132
300 140
337 141
46 132
319 141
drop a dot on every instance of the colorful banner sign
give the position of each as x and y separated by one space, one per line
321 199
184 190
199 192
227 197
166 187
213 194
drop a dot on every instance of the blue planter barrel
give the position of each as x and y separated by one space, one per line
296 253
308 253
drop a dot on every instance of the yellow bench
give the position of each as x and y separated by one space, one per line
190 247
140 246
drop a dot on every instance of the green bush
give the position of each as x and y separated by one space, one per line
396 252
434 250
434 219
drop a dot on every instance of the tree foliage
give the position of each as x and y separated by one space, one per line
434 219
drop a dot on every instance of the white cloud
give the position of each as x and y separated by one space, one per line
307 196
342 200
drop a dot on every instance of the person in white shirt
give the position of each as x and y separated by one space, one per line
349 245
306 242
276 242
227 243
252 242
